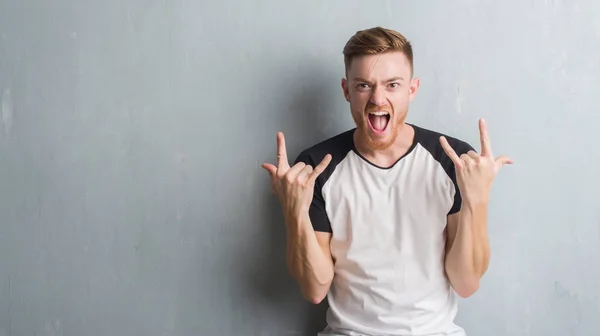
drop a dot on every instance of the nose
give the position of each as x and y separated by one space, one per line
377 97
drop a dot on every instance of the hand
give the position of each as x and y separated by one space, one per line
475 173
293 186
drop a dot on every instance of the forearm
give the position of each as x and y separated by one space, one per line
468 257
309 265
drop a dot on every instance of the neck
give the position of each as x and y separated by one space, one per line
388 156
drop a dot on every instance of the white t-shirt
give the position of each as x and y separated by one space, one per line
388 236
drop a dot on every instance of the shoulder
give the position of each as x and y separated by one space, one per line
337 146
430 140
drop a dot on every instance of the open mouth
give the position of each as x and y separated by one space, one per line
378 121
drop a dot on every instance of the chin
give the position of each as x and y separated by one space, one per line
380 142
378 138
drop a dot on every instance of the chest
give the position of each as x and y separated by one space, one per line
399 209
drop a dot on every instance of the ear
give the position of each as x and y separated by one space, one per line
345 89
413 88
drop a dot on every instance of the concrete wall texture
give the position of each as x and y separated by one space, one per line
132 201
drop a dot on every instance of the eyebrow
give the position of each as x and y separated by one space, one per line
393 79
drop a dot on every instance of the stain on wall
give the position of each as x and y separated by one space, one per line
6 112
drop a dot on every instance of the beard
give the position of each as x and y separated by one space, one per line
367 136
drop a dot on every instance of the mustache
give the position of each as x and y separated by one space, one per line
372 108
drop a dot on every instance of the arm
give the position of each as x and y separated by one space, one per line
309 259
308 256
467 248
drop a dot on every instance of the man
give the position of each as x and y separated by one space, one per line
388 220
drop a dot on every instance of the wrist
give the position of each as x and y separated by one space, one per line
296 219
474 204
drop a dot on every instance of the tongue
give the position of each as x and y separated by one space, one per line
378 122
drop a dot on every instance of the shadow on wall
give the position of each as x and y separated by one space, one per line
306 111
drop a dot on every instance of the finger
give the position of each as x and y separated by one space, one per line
450 152
320 168
486 146
503 160
294 171
282 160
466 159
304 173
473 155
270 168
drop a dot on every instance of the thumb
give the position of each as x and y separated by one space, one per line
502 160
270 168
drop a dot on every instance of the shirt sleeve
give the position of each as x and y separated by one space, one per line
317 211
460 148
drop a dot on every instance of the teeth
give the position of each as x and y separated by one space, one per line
379 113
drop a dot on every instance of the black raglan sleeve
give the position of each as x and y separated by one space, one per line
460 147
317 211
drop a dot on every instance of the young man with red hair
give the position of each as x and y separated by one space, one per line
388 220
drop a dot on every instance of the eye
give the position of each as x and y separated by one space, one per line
395 85
363 86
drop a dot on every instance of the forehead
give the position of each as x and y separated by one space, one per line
380 66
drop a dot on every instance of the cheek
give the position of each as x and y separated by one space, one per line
399 106
358 101
400 98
